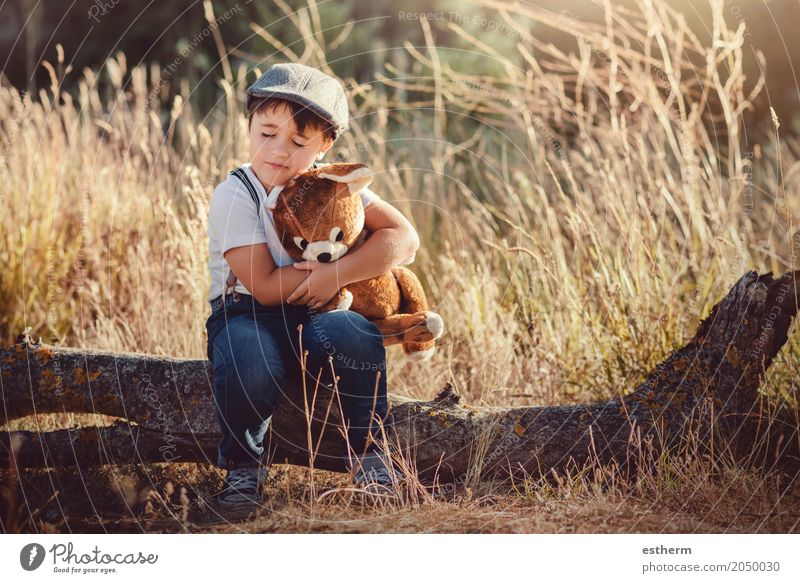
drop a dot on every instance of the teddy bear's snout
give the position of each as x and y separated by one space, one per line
324 251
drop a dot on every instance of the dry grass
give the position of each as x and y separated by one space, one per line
164 498
578 216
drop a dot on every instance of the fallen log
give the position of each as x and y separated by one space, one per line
167 411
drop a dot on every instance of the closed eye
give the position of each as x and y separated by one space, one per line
336 234
273 135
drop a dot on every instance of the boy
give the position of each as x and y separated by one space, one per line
295 114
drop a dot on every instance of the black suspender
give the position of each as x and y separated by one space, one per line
242 175
230 282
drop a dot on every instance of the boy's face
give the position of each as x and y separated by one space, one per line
278 152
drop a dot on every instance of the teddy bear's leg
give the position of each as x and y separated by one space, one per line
416 332
427 326
394 328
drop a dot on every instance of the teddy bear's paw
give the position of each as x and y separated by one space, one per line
427 327
346 302
434 324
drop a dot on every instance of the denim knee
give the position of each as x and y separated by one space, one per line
245 387
348 338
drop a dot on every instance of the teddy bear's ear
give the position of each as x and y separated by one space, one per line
356 176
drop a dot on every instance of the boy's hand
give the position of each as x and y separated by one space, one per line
319 287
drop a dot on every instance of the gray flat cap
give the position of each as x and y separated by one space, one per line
307 86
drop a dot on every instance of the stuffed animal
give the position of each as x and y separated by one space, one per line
319 217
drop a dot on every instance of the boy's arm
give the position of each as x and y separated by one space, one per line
233 220
254 267
393 240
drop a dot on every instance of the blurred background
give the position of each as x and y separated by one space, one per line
92 31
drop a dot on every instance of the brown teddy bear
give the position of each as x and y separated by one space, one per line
319 217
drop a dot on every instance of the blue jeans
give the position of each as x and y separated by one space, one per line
255 354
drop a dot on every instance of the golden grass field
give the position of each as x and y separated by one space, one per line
578 218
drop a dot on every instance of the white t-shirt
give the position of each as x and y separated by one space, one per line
233 222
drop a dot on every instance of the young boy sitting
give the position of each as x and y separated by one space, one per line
259 295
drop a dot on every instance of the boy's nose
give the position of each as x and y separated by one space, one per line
324 257
280 149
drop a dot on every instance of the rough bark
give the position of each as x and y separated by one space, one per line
711 383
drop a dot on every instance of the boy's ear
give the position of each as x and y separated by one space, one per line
356 176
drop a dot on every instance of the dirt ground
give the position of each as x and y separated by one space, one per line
170 499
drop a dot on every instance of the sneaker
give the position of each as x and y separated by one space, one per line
243 489
374 476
